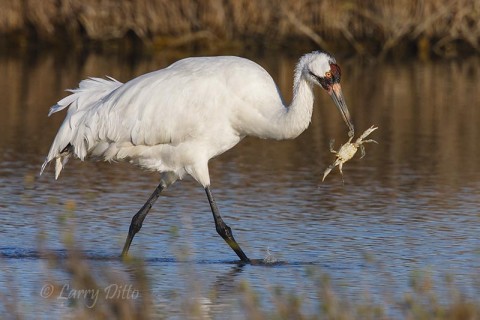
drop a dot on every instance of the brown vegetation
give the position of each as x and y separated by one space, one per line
441 27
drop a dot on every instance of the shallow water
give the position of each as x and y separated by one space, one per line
411 204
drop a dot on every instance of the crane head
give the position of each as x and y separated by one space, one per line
322 69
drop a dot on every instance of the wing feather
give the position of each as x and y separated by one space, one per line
187 100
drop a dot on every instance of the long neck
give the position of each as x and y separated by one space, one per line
278 121
298 114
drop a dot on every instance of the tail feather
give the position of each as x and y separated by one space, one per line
89 93
89 90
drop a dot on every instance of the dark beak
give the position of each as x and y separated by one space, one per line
337 97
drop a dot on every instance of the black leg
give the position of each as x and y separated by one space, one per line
223 230
138 218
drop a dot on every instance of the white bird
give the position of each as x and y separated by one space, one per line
176 119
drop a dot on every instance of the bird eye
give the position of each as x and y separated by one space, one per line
328 74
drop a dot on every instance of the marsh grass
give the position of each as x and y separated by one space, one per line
91 292
371 27
421 301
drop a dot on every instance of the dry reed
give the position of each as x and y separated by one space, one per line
441 27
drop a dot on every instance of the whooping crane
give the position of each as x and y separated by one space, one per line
176 119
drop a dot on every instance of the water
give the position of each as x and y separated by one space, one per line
410 205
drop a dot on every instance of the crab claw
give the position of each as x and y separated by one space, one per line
366 133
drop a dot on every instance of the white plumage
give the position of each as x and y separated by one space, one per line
176 119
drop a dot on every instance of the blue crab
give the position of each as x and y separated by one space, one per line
348 150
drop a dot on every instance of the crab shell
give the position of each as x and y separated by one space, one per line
347 151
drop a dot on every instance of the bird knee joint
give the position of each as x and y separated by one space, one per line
224 231
135 227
